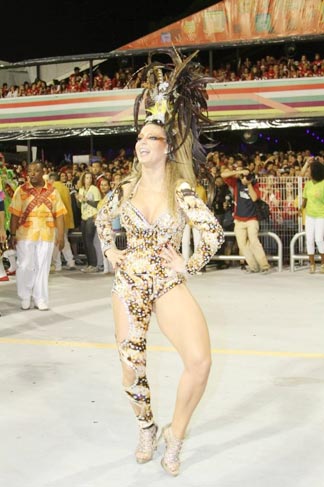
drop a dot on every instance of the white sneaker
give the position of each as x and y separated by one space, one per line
42 306
25 304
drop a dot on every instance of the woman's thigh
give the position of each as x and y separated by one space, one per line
310 230
181 319
132 308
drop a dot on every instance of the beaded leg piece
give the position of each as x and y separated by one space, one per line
132 353
170 461
132 350
147 444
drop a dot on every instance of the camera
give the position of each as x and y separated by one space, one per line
248 177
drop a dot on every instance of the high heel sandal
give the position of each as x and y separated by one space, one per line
170 461
147 444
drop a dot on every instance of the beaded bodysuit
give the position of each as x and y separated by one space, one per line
142 277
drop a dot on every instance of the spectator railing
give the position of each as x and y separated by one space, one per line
298 256
277 258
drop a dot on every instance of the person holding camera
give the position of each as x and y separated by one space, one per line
246 225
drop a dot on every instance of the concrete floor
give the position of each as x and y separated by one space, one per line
64 419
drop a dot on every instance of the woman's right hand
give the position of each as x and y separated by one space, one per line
115 257
3 235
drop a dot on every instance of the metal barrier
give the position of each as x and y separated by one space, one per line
75 237
120 239
278 258
300 257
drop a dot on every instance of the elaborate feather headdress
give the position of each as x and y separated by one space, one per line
175 97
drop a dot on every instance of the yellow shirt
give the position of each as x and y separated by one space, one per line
66 198
40 222
93 194
201 192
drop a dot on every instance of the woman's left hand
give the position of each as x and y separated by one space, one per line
173 260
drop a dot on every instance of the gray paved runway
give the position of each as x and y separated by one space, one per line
64 419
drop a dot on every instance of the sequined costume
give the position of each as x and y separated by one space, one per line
142 278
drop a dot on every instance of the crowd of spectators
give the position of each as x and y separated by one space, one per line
279 164
268 67
277 173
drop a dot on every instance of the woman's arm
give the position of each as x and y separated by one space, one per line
107 212
236 173
92 203
305 167
211 232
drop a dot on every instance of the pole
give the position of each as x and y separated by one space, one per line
28 152
91 145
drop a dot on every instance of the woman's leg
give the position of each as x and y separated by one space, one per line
84 239
319 237
90 230
132 314
181 320
310 240
98 249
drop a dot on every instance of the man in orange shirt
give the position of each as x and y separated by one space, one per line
36 210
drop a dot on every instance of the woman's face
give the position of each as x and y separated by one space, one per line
104 186
88 179
151 146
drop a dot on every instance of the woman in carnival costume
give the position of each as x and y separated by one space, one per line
154 203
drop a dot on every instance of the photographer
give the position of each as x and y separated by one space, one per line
223 207
246 226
